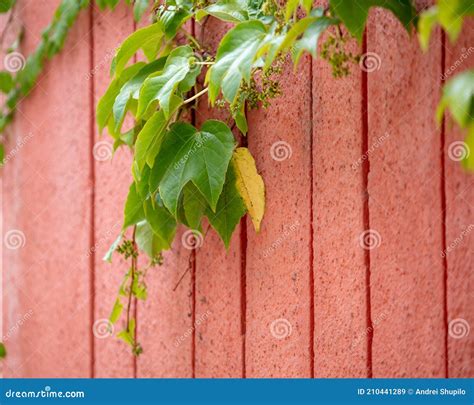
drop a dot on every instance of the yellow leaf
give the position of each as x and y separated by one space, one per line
250 185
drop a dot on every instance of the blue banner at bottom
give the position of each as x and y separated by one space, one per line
235 391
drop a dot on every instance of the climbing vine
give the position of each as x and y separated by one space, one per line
183 173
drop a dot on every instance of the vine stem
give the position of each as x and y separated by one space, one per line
7 25
204 63
190 263
191 38
132 275
197 95
190 266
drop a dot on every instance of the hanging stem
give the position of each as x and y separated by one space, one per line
191 38
197 95
132 280
7 25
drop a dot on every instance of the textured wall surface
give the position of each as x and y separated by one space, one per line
364 264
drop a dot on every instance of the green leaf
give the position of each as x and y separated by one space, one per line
116 311
6 5
133 208
241 120
139 9
292 6
105 105
451 15
147 241
426 22
141 183
108 256
189 80
123 285
161 86
249 184
128 335
354 13
148 39
225 10
64 17
194 206
309 41
139 289
161 222
190 155
131 90
235 56
271 47
173 15
149 139
3 351
230 208
6 82
468 162
106 3
458 96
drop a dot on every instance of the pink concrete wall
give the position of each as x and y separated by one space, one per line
341 159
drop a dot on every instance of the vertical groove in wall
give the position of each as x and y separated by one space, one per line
92 193
193 309
193 261
243 276
366 214
443 210
311 224
243 289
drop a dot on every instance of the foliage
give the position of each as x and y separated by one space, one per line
183 174
449 14
458 92
21 76
458 96
354 13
